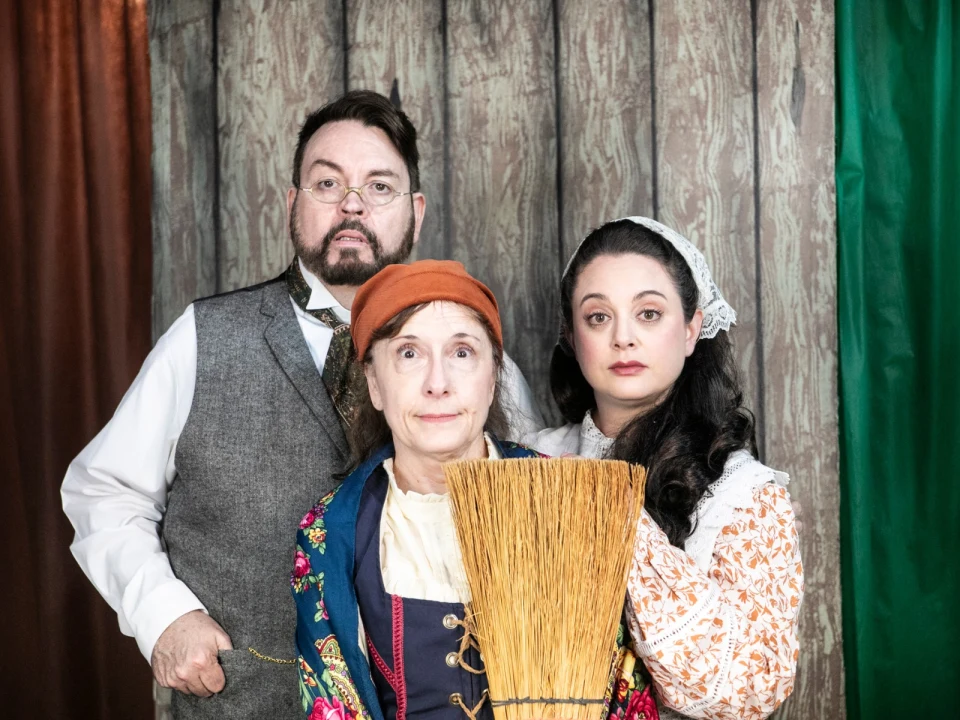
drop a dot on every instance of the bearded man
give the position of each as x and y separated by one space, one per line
183 504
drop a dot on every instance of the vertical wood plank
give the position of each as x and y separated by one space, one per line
277 61
183 172
704 131
184 156
502 172
795 83
401 44
604 95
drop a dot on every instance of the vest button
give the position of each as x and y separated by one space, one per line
450 621
456 699
453 659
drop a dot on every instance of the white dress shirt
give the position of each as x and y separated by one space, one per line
115 491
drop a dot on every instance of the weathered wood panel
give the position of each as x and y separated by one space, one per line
502 172
398 48
798 270
522 152
704 133
276 62
184 156
605 117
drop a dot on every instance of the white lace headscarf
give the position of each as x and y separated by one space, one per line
717 313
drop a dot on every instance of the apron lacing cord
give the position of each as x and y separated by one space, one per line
457 699
466 642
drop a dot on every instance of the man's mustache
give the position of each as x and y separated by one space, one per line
356 226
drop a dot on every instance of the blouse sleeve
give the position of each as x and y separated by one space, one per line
723 643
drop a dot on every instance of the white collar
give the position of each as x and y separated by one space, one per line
593 443
320 297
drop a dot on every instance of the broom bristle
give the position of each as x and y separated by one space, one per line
546 546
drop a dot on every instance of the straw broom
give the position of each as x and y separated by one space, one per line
546 546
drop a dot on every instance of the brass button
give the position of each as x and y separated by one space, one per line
456 699
453 659
450 621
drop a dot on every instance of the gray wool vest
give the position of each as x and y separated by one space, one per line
260 446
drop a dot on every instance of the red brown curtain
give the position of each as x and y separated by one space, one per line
75 270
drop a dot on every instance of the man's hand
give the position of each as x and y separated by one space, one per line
185 656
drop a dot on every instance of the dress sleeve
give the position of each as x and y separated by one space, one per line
721 644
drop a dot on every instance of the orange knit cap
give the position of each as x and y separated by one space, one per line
398 287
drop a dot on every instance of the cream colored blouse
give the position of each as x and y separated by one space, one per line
419 553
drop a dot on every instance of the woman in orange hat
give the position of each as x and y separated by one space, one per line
378 579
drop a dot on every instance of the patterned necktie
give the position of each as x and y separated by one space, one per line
341 372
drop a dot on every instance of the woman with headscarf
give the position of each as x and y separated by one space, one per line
644 372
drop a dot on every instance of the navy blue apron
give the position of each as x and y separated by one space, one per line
413 644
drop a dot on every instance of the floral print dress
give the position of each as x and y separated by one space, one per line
721 643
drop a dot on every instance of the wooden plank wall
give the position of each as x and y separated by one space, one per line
705 130
184 163
538 121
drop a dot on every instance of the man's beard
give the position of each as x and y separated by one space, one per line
349 269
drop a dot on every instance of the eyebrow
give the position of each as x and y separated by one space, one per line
457 336
336 168
601 296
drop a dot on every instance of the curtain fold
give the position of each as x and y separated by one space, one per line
898 186
76 259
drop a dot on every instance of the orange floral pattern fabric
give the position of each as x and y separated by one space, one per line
721 644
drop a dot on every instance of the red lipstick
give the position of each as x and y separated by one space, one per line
628 368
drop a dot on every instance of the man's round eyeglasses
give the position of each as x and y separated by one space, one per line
332 192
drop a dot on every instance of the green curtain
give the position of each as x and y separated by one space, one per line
898 205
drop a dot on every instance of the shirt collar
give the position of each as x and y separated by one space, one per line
492 452
593 443
320 297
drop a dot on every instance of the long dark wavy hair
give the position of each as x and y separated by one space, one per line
369 430
685 440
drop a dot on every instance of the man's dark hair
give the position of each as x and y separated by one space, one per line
373 110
